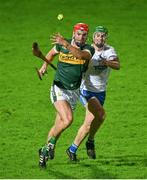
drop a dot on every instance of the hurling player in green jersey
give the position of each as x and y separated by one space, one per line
74 55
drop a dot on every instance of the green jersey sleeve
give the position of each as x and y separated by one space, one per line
58 47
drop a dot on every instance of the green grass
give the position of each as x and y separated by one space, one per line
26 113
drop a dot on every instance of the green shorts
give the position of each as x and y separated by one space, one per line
71 96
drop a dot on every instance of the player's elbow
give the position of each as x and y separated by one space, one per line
84 56
118 67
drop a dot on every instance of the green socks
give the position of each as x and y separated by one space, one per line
52 140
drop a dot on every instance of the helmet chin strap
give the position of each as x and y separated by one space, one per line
77 43
99 45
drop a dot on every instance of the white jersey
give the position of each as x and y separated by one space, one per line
96 77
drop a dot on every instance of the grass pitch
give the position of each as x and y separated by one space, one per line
26 113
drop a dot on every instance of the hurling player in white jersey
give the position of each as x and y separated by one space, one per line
93 91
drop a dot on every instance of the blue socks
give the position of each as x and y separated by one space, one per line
73 148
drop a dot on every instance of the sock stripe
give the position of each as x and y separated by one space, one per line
73 148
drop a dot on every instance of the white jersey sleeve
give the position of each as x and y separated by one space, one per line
109 53
96 77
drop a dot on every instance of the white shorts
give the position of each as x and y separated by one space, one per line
71 96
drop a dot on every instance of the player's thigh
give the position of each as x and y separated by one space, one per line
95 107
92 110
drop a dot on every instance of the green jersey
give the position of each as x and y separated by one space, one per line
69 68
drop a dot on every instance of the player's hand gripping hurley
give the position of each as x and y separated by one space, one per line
37 52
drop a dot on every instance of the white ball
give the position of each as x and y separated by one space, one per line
60 17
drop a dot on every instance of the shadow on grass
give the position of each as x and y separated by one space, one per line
94 169
129 160
97 172
78 170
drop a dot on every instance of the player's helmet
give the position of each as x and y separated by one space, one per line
81 26
101 29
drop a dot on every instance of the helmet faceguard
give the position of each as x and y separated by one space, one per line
100 29
80 27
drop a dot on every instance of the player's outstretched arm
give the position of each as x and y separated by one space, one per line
59 39
37 52
114 64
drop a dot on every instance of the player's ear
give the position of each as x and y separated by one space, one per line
107 36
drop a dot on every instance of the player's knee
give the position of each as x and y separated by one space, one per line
100 114
86 126
68 120
90 117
